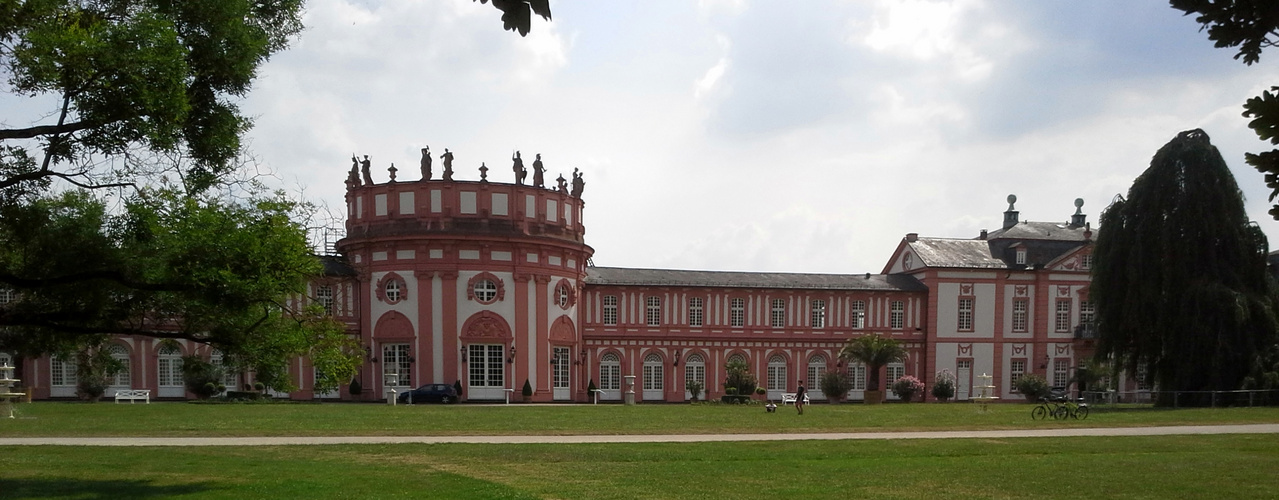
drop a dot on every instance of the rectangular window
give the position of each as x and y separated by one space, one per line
1143 384
858 316
1021 256
1087 312
857 375
610 310
779 313
897 315
654 311
7 295
695 316
324 296
737 313
1063 315
1086 262
818 316
895 371
965 315
1061 372
1021 308
1017 369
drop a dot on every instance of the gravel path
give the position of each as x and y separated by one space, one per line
635 438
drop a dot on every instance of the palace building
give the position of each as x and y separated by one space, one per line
490 285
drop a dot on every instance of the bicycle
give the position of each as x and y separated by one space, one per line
1059 408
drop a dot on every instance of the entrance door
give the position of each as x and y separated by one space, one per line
560 389
396 368
170 374
964 379
486 372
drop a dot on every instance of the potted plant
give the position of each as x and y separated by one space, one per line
874 351
457 387
528 391
835 385
694 389
907 387
944 386
760 391
1033 386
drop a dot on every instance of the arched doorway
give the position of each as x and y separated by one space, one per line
123 379
695 371
610 378
486 338
169 373
776 377
653 383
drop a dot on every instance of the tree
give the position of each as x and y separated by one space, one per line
739 377
1250 25
1180 281
517 14
874 351
96 240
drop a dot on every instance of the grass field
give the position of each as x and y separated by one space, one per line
1224 466
183 419
1156 467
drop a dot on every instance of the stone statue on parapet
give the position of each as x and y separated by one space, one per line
578 184
538 179
484 172
561 185
353 178
448 164
426 163
364 169
517 165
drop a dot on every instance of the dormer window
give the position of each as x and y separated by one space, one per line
1021 256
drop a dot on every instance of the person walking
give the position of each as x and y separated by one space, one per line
799 397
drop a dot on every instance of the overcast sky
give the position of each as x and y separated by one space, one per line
764 136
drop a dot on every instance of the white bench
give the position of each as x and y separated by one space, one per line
789 398
133 395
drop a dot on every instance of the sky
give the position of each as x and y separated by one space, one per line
763 136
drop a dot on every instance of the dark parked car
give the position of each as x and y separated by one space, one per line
430 393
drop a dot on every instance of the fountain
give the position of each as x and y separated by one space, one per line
985 392
6 387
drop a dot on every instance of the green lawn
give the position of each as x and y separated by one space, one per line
1220 466
338 419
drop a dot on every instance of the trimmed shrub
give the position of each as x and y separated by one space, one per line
528 389
907 387
835 385
1033 386
356 388
944 386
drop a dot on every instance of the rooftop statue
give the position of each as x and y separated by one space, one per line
561 185
517 165
353 178
537 172
426 163
578 184
364 168
392 171
484 172
448 164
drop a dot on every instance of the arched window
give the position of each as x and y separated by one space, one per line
776 376
610 377
122 379
695 371
816 368
230 377
652 377
169 372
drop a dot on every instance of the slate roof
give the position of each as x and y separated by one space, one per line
950 252
735 279
336 266
1029 230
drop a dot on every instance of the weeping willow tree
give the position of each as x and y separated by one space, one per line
1180 277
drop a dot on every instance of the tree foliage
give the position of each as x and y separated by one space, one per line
96 240
739 377
517 15
1250 25
874 351
1180 277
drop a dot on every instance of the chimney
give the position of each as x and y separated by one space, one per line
1078 220
912 237
1087 231
1010 216
983 235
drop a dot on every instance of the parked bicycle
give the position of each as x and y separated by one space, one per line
1060 408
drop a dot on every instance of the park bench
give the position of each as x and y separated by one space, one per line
789 399
133 395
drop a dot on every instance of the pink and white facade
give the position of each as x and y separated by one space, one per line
489 284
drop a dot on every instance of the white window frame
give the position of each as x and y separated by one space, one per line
776 376
653 310
695 371
778 317
324 296
610 310
1016 370
696 314
1062 318
392 291
817 313
485 291
897 315
737 312
964 321
1061 372
653 383
1021 315
858 314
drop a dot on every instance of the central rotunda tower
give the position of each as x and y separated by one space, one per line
470 281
